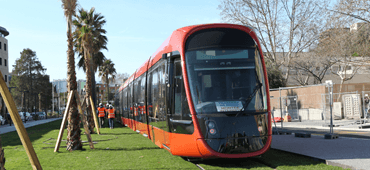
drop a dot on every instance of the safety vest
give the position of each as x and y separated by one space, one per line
101 111
111 113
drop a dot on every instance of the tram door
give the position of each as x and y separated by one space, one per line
156 101
180 120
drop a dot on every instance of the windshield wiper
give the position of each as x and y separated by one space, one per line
249 99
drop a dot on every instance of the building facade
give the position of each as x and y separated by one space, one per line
102 90
4 54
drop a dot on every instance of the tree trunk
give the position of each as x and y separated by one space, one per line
74 131
93 87
2 158
88 90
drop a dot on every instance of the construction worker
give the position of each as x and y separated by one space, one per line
101 115
111 116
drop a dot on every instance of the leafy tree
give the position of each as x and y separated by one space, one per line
275 76
30 80
97 22
107 71
87 36
74 133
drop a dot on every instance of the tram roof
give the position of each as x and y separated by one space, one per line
176 42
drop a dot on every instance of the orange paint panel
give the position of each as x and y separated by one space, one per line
184 145
158 136
203 150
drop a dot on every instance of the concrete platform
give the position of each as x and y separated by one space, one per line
353 153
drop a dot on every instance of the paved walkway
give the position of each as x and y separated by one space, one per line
6 128
321 124
353 153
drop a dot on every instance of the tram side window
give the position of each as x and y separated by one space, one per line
142 98
129 102
162 72
137 90
181 108
149 95
140 90
124 103
155 91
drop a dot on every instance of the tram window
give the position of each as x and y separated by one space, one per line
155 92
149 95
181 108
124 101
163 81
162 87
142 89
226 75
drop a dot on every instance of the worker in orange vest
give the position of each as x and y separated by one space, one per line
101 114
111 116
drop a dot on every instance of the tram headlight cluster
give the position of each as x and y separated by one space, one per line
212 128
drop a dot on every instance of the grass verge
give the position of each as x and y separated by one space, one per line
122 148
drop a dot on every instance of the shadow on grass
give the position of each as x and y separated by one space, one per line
34 133
106 134
86 147
37 132
127 149
272 158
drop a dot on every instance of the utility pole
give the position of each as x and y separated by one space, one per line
52 90
331 135
58 101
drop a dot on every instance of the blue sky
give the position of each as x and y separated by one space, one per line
135 29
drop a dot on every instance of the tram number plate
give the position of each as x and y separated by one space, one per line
229 106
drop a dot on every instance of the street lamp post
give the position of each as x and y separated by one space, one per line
52 93
331 135
58 101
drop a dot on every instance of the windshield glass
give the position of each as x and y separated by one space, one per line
226 80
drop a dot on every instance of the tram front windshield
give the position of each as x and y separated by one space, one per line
228 81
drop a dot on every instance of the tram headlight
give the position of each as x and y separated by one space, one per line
211 125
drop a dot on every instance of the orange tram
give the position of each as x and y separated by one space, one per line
202 94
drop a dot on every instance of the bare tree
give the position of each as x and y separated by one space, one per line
287 27
313 65
337 43
120 78
354 9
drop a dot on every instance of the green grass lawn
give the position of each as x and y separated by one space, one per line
122 148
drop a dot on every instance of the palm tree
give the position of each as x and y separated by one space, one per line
84 38
104 71
100 40
74 132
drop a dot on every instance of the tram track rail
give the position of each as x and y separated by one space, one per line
200 167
